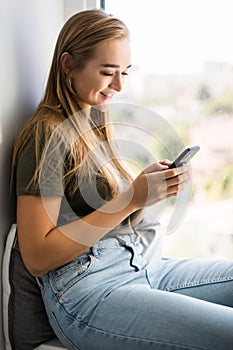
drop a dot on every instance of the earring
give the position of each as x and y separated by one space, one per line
70 82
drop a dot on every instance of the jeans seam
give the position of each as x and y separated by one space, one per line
199 283
67 339
84 324
143 340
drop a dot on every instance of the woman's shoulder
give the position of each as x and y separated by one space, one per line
47 121
35 138
40 125
34 135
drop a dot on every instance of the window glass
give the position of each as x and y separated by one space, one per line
183 70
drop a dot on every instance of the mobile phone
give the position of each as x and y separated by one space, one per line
184 157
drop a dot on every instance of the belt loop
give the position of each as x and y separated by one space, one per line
121 241
94 251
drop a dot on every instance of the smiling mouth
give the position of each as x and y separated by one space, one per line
106 95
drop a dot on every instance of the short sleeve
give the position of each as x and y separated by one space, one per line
50 175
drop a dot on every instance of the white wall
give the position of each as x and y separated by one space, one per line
28 31
72 6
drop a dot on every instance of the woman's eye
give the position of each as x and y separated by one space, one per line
107 74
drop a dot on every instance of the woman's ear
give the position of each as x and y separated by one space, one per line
66 62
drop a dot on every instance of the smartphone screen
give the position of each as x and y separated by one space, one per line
185 156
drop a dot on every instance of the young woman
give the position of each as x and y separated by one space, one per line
76 222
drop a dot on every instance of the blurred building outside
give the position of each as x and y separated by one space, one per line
184 73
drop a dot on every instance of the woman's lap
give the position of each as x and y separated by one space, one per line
153 319
210 280
153 307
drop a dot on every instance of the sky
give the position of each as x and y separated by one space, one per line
177 36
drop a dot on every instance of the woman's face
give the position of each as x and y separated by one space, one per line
104 75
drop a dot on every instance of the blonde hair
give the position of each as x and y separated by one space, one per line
80 36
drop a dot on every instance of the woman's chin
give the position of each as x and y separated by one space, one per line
103 107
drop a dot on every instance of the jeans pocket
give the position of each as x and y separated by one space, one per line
65 276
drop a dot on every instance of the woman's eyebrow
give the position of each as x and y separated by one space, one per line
109 65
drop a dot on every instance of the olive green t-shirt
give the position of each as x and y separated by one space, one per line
89 197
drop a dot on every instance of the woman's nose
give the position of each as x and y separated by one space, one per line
117 83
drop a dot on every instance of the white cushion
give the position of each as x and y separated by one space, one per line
51 345
5 282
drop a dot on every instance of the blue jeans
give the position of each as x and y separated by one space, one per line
110 298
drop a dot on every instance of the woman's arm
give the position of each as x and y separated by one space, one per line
44 246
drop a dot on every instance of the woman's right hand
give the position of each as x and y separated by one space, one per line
157 182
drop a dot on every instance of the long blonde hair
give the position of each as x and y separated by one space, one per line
80 36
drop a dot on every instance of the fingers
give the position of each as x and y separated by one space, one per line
155 167
165 162
177 182
171 173
154 186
